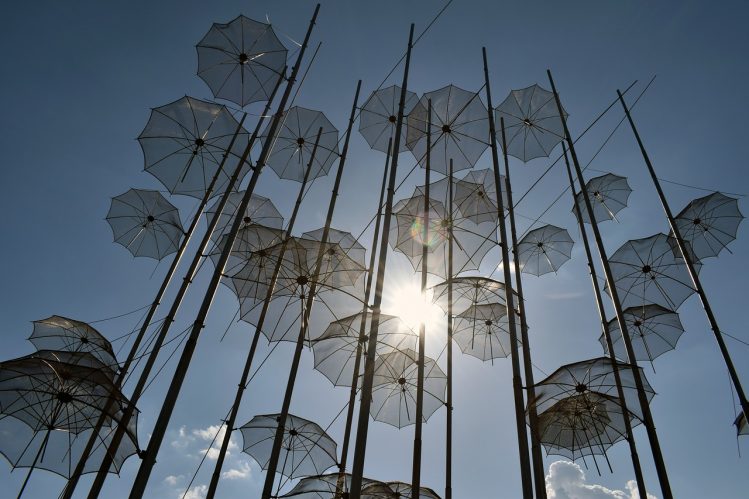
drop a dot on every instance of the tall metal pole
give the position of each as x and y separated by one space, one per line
517 385
157 436
366 391
449 401
607 334
539 473
419 416
655 446
281 429
690 266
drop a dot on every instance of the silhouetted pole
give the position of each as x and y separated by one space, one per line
366 392
449 401
690 266
607 334
539 473
157 436
517 385
642 397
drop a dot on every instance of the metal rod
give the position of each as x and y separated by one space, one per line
33 464
517 385
607 334
449 401
690 266
366 391
642 398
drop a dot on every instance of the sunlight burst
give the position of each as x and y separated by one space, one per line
408 303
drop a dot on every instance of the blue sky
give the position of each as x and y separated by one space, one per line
78 81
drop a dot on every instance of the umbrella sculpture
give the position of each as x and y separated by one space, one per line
469 291
145 223
648 270
251 243
335 349
742 428
326 487
544 250
608 196
709 224
260 211
459 129
241 61
394 388
532 123
654 330
481 331
475 196
184 143
404 491
378 117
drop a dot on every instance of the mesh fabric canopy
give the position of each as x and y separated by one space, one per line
184 143
653 330
241 61
61 333
379 116
475 197
482 331
325 487
306 449
608 196
404 490
532 123
145 223
459 129
468 291
295 141
260 210
249 248
709 224
544 250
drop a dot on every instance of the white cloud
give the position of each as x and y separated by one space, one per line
172 480
196 492
183 439
566 480
214 433
240 473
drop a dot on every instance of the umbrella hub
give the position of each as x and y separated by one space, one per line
199 142
480 193
697 221
293 432
262 253
392 119
300 141
84 340
243 58
637 323
646 269
302 280
488 322
527 122
331 252
581 388
446 128
150 218
597 194
540 245
247 220
64 397
401 381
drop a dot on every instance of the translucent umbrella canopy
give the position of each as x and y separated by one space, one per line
594 375
306 449
532 123
241 61
59 333
742 428
250 247
295 141
379 115
709 223
405 491
394 388
475 197
653 330
459 129
482 331
468 291
648 271
184 143
544 250
608 195
583 424
145 223
335 486
260 210
335 349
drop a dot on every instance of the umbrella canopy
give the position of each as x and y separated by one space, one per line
379 115
475 197
249 248
306 449
184 143
294 143
468 291
63 334
532 123
260 210
654 330
145 223
482 331
608 195
709 223
742 428
394 388
405 491
648 270
327 486
544 250
241 61
459 129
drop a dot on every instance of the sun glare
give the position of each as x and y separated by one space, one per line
407 302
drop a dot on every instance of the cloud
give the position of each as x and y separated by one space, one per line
566 480
172 480
196 492
214 434
240 473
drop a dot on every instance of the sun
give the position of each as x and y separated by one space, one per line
407 302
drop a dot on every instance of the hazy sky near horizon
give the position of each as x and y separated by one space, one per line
79 79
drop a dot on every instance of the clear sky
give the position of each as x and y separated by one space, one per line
78 80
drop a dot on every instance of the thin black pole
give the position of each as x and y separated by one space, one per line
606 333
419 416
517 385
690 266
366 392
449 401
655 446
539 473
33 464
157 436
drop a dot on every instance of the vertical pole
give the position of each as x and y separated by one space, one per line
157 436
539 478
449 401
33 464
655 446
690 266
419 416
517 385
366 391
607 334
